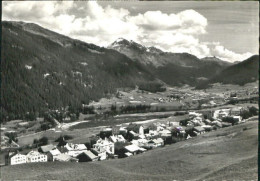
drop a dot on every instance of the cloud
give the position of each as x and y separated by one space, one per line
225 54
90 22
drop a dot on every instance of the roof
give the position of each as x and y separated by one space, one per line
63 149
55 152
63 157
118 138
71 146
133 133
142 149
128 154
47 148
199 128
12 154
236 108
74 153
160 140
33 153
132 148
89 154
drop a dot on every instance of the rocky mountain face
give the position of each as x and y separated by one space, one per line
172 68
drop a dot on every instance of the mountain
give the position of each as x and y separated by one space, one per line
217 60
42 70
240 73
172 68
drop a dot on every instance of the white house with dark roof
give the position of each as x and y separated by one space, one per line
52 154
74 147
16 158
35 156
117 138
105 145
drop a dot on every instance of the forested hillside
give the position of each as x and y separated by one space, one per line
240 73
43 70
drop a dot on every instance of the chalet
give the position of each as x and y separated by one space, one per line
207 121
65 158
133 149
153 133
217 124
87 156
75 153
35 156
52 154
75 147
165 133
106 133
105 145
225 124
128 154
156 142
15 158
219 114
101 153
140 142
117 138
132 135
122 131
207 128
236 111
199 130
237 118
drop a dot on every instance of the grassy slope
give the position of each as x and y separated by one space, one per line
229 153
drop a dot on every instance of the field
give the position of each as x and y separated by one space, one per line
226 154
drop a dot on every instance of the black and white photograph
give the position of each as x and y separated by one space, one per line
129 90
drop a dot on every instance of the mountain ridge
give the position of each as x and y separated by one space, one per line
43 70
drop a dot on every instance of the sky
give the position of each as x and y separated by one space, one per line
227 30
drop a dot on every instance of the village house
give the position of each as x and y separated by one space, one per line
140 142
153 133
165 133
199 130
65 158
75 147
132 135
117 138
35 156
219 114
87 156
105 145
133 149
101 153
106 133
15 158
154 143
122 131
207 128
237 118
236 111
52 154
